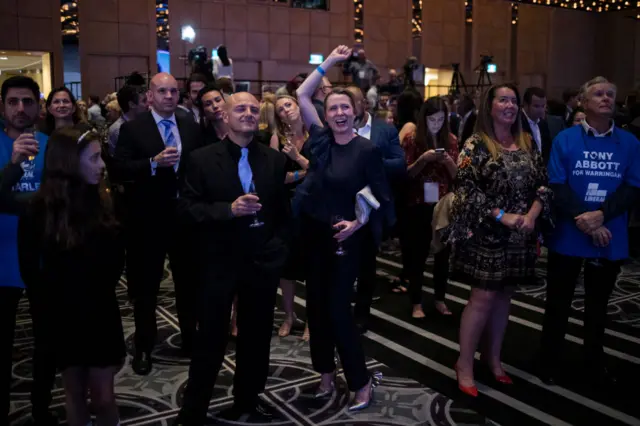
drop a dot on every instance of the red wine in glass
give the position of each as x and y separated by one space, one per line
334 221
256 222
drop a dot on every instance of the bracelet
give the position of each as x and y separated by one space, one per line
296 175
500 214
321 71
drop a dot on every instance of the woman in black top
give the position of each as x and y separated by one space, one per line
291 138
342 164
71 257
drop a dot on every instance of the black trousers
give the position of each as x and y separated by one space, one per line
9 299
329 292
151 239
367 275
415 234
562 274
44 367
256 290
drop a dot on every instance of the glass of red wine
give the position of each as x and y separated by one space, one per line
335 219
256 222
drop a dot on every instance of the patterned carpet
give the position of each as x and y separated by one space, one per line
154 400
415 357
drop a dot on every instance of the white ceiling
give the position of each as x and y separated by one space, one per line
16 61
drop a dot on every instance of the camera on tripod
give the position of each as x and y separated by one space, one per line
200 62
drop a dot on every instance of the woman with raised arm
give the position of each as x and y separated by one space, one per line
342 164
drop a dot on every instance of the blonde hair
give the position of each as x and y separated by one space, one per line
484 123
589 84
267 116
113 105
281 126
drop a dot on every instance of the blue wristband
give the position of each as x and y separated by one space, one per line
296 175
321 71
500 214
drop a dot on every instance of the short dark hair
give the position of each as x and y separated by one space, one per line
196 77
20 82
568 94
531 92
340 91
95 99
129 94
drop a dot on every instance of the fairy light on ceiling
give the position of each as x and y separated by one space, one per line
514 13
587 5
468 11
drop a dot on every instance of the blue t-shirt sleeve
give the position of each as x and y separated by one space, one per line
632 174
555 167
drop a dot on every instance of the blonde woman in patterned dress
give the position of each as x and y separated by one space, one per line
500 194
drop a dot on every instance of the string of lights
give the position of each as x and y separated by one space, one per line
587 5
514 14
69 19
416 19
358 17
468 11
162 24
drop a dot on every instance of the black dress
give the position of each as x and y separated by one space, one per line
294 269
78 290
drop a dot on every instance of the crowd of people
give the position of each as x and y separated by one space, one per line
244 196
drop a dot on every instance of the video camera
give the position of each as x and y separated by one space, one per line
199 61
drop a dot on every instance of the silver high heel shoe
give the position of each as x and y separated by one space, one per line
323 393
363 405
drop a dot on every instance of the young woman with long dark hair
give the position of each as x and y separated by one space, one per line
431 152
71 257
342 164
222 64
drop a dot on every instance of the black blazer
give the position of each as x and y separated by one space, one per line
212 185
545 137
139 141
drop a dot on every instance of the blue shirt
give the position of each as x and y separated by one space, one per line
594 166
9 268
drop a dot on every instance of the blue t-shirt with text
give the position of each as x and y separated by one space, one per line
594 167
30 182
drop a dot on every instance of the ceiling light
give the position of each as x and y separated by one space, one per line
3 58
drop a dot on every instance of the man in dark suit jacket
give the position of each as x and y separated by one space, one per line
534 103
385 137
151 153
468 117
237 258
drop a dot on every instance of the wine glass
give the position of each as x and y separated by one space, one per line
32 132
256 223
335 219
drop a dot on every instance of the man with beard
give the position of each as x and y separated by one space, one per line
385 137
22 152
234 195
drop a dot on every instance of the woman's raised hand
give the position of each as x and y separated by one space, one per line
340 53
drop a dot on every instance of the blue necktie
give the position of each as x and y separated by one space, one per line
244 171
169 137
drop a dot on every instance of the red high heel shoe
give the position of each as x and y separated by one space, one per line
469 390
504 379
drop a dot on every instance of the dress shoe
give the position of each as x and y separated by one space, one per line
469 390
141 363
260 413
359 404
325 392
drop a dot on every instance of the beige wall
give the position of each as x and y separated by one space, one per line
387 33
267 42
443 30
491 35
117 37
534 23
616 48
572 58
34 26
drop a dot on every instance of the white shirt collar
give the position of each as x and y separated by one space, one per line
368 125
536 122
158 118
591 131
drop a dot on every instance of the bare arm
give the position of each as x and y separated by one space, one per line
309 85
274 143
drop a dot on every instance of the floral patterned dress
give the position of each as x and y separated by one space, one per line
486 254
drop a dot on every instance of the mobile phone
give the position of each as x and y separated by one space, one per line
440 151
